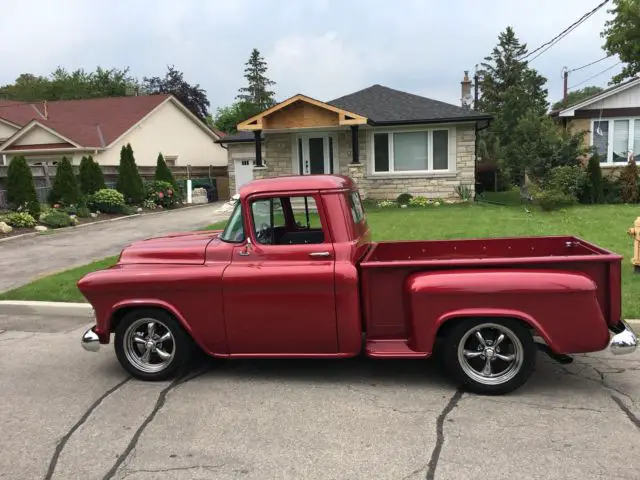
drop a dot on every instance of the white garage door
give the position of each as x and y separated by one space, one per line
244 172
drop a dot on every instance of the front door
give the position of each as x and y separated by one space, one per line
279 292
315 154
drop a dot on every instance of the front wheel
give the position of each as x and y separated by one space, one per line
490 356
151 345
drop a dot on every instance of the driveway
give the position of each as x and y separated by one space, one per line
31 257
70 414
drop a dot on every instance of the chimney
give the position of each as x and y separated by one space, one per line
466 98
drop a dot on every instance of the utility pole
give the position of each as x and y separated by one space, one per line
476 87
565 77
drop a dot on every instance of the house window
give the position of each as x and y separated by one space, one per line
614 140
411 151
171 160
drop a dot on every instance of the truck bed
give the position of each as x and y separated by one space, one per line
386 266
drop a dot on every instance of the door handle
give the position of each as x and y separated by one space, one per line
320 254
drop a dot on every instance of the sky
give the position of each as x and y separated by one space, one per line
321 48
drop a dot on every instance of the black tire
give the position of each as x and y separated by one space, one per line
180 346
519 344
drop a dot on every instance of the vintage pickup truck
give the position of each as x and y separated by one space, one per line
295 274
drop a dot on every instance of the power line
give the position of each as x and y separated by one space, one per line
563 34
594 76
589 64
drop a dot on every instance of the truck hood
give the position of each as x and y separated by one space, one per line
184 248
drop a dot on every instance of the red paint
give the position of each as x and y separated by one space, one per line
264 300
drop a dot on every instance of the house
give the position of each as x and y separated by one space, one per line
611 120
389 141
44 132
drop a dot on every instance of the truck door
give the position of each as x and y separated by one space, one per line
279 293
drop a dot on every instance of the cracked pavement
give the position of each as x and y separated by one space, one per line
70 414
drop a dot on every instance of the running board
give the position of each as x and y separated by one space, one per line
392 349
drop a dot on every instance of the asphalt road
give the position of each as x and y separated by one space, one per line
70 414
28 258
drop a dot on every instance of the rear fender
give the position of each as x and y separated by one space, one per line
561 306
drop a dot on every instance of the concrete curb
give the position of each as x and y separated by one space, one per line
109 220
63 309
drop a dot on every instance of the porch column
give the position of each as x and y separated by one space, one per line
355 145
257 134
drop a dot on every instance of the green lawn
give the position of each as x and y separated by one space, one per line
605 225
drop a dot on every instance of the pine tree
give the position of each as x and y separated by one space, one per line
510 91
594 192
163 172
129 182
257 91
91 176
65 187
21 191
629 182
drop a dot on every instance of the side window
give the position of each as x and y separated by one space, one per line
287 221
268 218
305 212
357 210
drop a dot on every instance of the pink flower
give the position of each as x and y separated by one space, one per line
56 205
170 192
160 194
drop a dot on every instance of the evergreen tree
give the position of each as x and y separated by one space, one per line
629 182
594 191
91 176
163 172
129 182
257 90
510 91
65 187
21 191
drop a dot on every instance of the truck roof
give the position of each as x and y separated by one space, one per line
297 182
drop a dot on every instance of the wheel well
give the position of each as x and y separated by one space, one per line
446 327
119 314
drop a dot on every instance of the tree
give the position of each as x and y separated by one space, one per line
510 90
576 96
622 37
191 96
163 172
129 182
21 191
227 118
91 176
257 90
594 191
629 182
64 85
65 187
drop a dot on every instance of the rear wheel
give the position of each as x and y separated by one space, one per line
151 345
489 356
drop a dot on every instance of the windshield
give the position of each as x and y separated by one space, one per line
234 231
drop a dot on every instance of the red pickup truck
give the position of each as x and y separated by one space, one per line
295 274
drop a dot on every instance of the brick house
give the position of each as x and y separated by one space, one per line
389 141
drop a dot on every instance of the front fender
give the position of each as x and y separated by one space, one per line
560 306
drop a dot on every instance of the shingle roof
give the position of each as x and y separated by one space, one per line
90 122
383 106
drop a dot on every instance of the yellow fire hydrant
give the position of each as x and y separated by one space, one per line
635 233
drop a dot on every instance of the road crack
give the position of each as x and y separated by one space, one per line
162 398
209 468
635 420
435 455
63 441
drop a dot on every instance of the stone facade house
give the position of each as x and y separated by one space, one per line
611 120
389 141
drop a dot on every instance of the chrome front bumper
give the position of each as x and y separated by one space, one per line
624 341
90 341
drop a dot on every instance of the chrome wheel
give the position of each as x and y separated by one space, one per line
149 345
490 354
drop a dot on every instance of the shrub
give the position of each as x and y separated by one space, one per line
593 192
404 199
65 187
129 182
83 212
163 172
56 219
107 200
387 204
91 176
21 191
570 180
20 220
611 190
149 204
554 199
129 210
629 183
464 192
162 193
